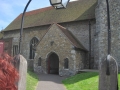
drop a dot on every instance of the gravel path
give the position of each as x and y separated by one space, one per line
50 82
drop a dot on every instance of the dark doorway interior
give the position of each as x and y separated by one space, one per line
53 64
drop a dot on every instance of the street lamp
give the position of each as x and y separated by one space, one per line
22 22
59 4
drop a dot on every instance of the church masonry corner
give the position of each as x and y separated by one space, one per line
101 28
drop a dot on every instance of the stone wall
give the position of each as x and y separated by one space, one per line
115 29
81 61
101 29
15 36
80 29
28 34
30 64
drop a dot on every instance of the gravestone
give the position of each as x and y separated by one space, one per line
108 74
21 65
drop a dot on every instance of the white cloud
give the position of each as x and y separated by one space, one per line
6 8
9 10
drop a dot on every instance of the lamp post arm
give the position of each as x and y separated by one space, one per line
89 44
109 29
22 22
109 39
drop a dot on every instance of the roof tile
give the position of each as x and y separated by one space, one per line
77 10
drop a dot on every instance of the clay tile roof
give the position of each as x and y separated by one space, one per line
77 10
72 38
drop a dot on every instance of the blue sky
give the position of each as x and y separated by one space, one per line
10 9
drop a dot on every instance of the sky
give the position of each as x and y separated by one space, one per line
10 9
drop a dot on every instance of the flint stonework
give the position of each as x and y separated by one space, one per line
101 28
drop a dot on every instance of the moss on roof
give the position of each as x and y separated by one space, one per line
77 10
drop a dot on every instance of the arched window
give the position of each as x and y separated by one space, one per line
33 43
15 50
66 62
39 61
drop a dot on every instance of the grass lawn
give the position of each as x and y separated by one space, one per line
83 81
32 80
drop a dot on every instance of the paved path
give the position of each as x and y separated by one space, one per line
50 82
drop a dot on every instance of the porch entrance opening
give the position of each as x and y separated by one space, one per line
53 64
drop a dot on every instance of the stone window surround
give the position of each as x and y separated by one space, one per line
33 42
67 64
15 50
39 61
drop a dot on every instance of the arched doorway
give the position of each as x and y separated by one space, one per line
53 64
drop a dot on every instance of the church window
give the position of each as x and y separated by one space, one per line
15 50
33 43
39 61
66 61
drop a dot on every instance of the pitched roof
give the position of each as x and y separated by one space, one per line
72 38
77 10
69 35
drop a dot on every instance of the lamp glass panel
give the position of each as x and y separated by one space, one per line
55 1
65 2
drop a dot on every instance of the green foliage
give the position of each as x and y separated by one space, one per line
84 81
32 80
119 81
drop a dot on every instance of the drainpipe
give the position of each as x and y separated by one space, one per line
89 45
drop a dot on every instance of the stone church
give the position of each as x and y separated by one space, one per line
67 40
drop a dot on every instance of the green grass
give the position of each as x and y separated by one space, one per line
32 80
119 81
84 81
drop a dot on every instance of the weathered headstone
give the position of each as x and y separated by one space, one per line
21 65
108 74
